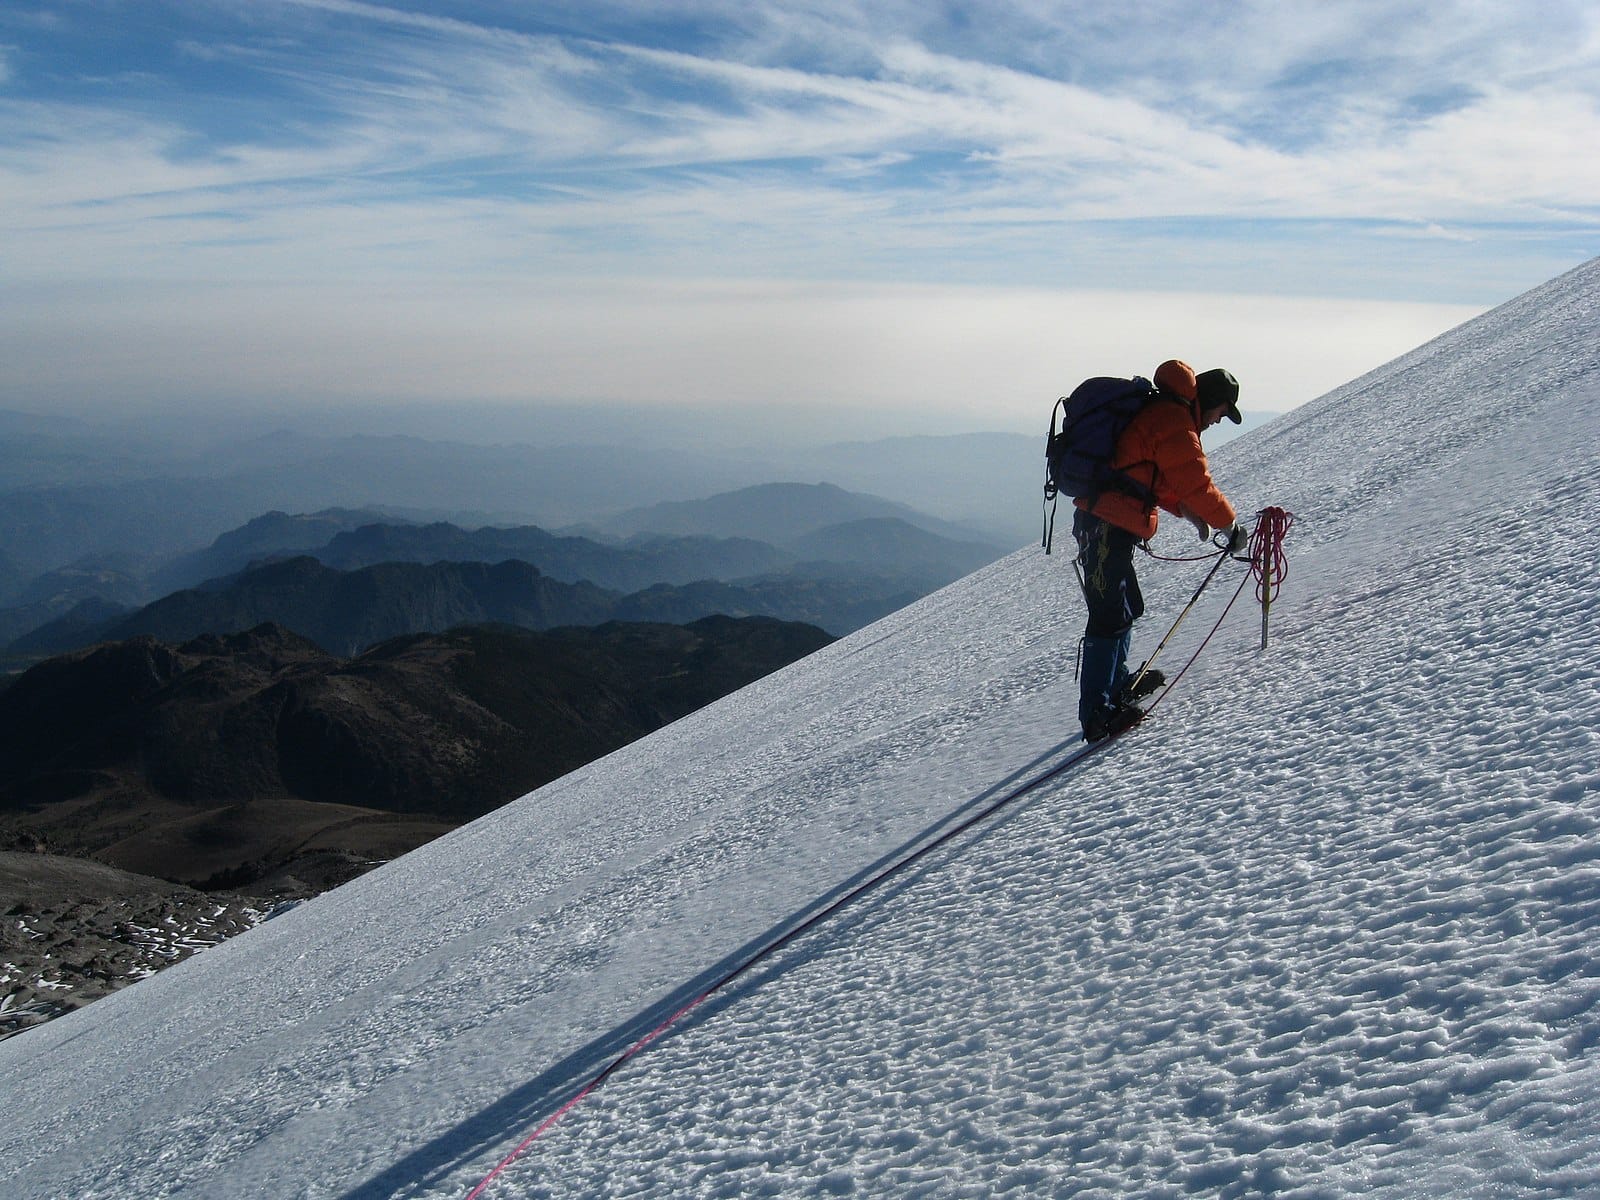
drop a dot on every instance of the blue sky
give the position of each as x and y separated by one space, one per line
845 205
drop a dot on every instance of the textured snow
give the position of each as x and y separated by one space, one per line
1322 927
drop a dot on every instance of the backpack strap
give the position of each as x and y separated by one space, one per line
1050 491
1117 479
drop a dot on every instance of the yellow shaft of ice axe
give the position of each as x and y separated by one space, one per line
1134 682
1266 596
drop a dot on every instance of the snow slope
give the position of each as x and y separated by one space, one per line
1324 926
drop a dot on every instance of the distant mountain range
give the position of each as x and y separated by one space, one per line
272 535
224 760
72 492
76 492
347 582
345 612
772 512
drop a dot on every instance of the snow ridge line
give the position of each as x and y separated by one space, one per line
855 893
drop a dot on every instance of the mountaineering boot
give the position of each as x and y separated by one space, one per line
1137 687
1102 710
1097 677
1111 721
1123 688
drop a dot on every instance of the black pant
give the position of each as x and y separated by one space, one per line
1111 590
1110 587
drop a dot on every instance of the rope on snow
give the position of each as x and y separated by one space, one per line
1267 566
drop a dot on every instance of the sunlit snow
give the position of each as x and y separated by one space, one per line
1323 926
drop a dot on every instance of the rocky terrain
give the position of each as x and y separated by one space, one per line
157 798
74 931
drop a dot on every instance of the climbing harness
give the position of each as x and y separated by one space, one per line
1265 548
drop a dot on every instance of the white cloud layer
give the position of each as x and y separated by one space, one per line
943 358
1028 156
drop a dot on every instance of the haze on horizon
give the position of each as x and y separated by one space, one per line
861 215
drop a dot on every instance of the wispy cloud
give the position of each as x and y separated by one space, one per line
416 102
1275 146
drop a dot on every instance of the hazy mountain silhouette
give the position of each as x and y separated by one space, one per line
624 568
86 499
893 544
83 596
271 535
346 611
772 512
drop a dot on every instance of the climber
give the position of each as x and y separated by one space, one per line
1160 453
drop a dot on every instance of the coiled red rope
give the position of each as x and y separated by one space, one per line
1268 563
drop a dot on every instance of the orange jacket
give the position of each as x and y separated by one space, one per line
1160 449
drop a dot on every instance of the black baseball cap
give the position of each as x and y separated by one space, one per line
1215 387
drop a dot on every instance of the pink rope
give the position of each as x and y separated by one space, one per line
580 1095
